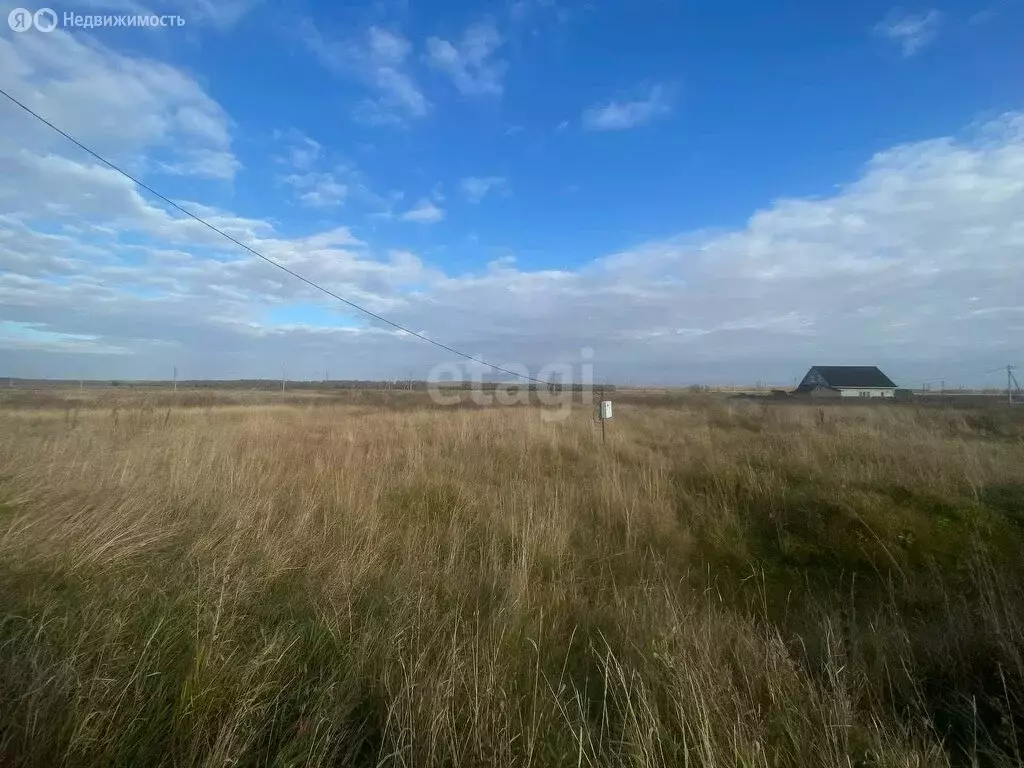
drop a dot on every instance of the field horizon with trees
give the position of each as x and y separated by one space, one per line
211 578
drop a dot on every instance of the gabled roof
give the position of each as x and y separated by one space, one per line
853 376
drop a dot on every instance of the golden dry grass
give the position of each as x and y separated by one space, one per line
307 583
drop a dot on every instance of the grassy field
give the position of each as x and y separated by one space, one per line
198 579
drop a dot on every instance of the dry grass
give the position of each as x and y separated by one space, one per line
346 584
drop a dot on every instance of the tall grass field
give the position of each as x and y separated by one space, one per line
318 581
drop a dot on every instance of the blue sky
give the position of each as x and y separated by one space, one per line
698 191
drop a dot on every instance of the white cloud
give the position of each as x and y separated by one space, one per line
424 212
914 265
304 152
319 177
620 115
476 188
222 13
911 31
312 186
378 59
119 106
470 64
536 17
204 163
884 272
318 189
23 336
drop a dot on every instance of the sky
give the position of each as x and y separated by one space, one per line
671 192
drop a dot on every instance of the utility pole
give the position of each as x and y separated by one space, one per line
284 376
1011 382
175 378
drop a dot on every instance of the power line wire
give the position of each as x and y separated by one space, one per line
256 253
1000 369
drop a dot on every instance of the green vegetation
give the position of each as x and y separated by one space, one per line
304 582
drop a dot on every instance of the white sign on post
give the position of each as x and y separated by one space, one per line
606 410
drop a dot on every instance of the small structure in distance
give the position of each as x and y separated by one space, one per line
846 381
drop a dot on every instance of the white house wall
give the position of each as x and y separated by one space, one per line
867 392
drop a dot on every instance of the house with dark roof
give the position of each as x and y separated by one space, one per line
846 381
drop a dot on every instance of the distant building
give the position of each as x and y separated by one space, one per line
846 381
